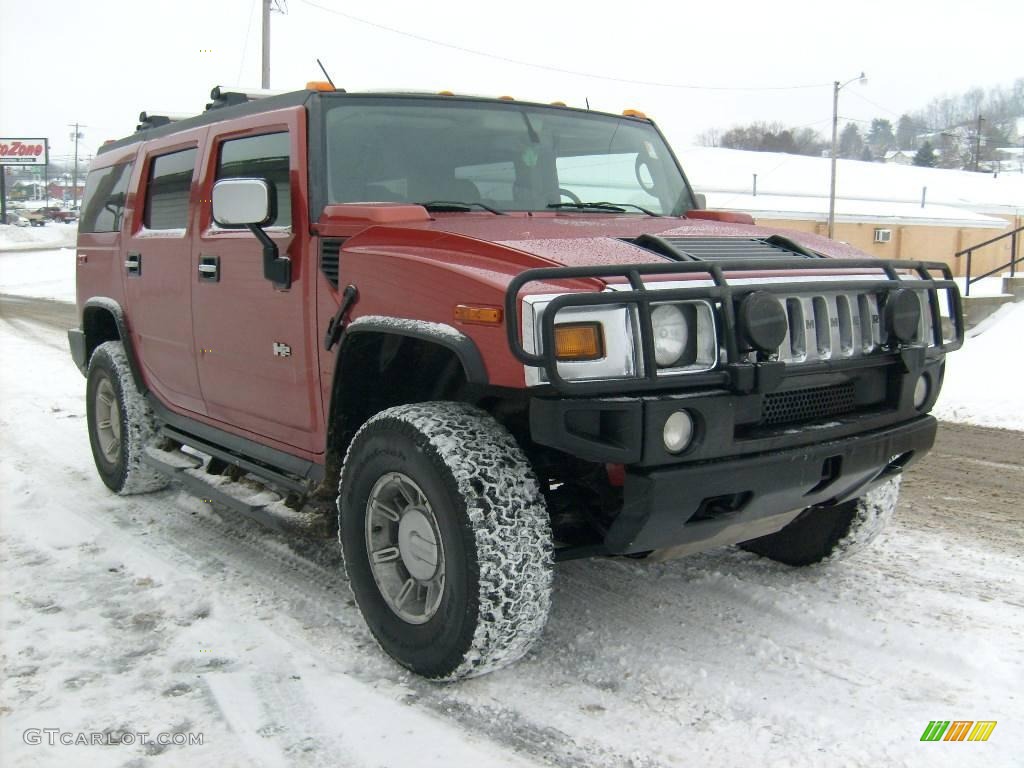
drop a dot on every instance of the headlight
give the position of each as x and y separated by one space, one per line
685 339
602 342
670 334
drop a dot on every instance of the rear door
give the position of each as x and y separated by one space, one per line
158 270
258 361
100 258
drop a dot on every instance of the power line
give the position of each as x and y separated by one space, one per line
875 104
560 70
245 46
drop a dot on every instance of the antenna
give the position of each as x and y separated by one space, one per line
324 70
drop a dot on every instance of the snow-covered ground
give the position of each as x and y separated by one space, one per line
48 274
984 379
50 235
162 613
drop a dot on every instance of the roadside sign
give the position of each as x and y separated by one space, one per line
23 151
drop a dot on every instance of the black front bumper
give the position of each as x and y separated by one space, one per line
705 504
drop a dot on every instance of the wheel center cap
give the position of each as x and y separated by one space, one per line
417 544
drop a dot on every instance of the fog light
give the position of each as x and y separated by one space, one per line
678 431
921 391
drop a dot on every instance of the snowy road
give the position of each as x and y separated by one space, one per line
165 614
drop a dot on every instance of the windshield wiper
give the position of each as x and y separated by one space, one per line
456 206
602 206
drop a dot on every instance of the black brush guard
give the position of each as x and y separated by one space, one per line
734 374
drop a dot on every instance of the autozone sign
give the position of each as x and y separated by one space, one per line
23 151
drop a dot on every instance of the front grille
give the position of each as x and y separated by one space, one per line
811 404
329 253
830 326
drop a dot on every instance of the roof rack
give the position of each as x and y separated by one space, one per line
227 96
147 120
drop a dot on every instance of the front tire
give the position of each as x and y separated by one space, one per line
446 539
831 533
121 423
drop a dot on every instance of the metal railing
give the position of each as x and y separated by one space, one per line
1012 264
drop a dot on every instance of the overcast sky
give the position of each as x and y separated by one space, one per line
103 61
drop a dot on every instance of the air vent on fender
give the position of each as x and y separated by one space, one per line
330 250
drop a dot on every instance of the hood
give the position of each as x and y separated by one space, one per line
586 240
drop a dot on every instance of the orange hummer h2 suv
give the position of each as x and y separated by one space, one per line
500 334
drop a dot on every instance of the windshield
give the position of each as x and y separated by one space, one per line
508 157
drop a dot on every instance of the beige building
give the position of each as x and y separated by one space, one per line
886 210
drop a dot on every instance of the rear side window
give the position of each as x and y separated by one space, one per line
105 192
170 179
260 157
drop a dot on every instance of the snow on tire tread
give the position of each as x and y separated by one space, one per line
873 512
142 430
510 524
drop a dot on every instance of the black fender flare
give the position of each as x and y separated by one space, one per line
445 336
465 348
117 312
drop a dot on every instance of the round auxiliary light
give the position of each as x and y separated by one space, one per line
670 334
763 322
678 431
902 314
921 391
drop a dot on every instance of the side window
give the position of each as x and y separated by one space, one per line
105 192
170 179
261 157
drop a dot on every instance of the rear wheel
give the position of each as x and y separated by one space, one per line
831 533
120 422
446 539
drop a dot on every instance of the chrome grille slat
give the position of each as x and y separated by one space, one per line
832 326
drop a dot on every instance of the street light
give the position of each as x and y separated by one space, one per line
836 88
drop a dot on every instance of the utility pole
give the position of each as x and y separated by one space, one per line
835 149
265 82
977 143
74 178
836 88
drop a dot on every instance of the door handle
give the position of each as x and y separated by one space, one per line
209 269
133 264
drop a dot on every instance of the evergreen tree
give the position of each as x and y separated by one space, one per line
926 157
906 132
850 142
880 135
866 155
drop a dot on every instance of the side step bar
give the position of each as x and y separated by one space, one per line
180 468
257 468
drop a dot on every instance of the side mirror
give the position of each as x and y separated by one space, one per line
700 201
252 203
241 202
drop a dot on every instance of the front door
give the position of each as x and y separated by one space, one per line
158 270
257 352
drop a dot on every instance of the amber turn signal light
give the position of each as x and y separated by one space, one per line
482 315
579 341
